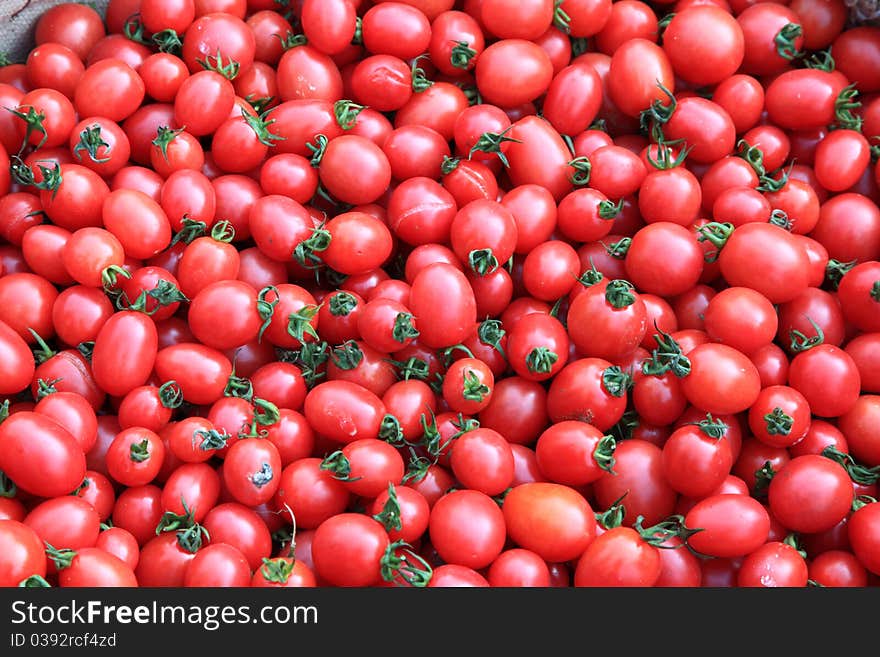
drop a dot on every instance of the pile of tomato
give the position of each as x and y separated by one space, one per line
441 293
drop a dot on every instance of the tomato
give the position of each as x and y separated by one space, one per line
658 275
40 455
858 294
849 228
447 324
483 461
359 243
856 51
44 118
306 73
705 45
17 370
607 321
343 411
856 426
802 99
574 453
810 494
218 39
841 146
414 512
585 390
837 568
349 550
705 126
163 562
619 557
863 529
283 572
217 565
732 525
638 68
518 567
449 30
697 459
354 170
109 88
741 318
201 373
773 564
191 490
125 352
242 528
22 555
540 157
310 494
452 575
120 543
135 456
329 26
74 413
573 99
827 377
532 66
467 528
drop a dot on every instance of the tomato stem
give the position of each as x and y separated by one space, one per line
623 429
800 342
265 412
238 386
665 160
861 474
473 389
276 570
461 55
299 323
875 291
420 81
260 126
404 328
140 452
7 486
668 356
779 423
266 308
346 113
408 566
164 136
34 582
228 70
482 261
835 270
582 169
490 333
42 352
821 61
347 356
133 29
411 368
33 121
540 360
657 535
389 517
417 467
339 466
62 558
716 234
712 427
190 229
167 41
615 381
609 209
843 109
358 37
211 439
794 540
90 140
618 249
342 304
763 476
449 164
391 432
779 218
46 388
317 149
658 114
490 142
604 453
620 293
785 39
862 500
613 516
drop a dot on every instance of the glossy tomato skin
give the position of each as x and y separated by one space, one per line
552 520
828 378
312 494
200 372
540 158
704 44
40 455
578 392
619 557
442 325
17 370
864 535
773 564
811 494
837 568
467 528
733 525
347 550
637 69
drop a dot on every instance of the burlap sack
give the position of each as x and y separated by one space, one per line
17 21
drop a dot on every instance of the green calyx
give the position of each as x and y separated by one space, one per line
404 328
61 558
8 488
711 427
339 466
561 20
657 535
490 142
843 109
779 423
582 169
615 381
260 126
473 389
140 451
620 293
238 386
389 517
603 454
346 112
46 388
168 41
482 261
618 249
317 149
277 570
784 40
266 308
609 209
800 342
210 440
342 304
665 159
305 252
400 562
420 81
763 476
33 121
461 55
90 140
391 432
652 120
753 155
666 357
490 333
835 270
190 229
347 356
860 474
164 294
164 136
299 324
716 234
540 360
190 534
228 69
411 368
